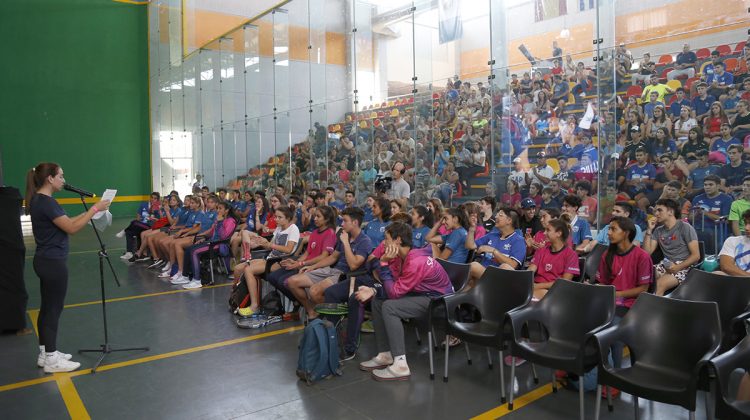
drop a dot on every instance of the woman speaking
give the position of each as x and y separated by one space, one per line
51 227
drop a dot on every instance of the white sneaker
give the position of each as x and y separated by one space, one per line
180 280
56 363
165 275
43 356
157 262
167 268
121 234
126 256
194 284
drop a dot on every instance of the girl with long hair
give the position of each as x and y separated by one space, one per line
222 229
556 261
51 228
457 222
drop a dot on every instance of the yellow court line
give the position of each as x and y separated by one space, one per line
190 350
72 400
121 299
24 384
28 257
34 315
519 402
118 199
147 359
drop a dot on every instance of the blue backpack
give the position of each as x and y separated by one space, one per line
318 352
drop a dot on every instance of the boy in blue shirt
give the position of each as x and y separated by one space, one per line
640 177
580 230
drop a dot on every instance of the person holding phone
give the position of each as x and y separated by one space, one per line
51 228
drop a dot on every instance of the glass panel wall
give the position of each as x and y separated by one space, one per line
506 98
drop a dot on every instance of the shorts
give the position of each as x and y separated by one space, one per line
320 274
680 275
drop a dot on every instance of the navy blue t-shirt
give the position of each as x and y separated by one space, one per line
51 241
362 245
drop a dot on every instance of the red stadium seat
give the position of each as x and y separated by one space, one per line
665 59
724 50
730 64
740 46
635 90
672 99
703 53
665 71
746 96
690 81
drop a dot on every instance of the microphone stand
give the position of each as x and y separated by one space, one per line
105 348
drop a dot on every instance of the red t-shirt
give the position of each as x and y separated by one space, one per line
319 242
629 270
551 266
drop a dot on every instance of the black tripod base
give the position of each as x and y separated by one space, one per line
106 349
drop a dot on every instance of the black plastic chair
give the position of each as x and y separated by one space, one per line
496 293
214 252
570 313
722 366
732 294
591 263
459 276
670 342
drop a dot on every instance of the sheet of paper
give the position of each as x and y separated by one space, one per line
109 195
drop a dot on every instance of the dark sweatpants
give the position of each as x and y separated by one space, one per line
339 293
133 235
53 277
278 280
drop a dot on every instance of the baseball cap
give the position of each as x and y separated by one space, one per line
527 203
517 160
635 129
541 154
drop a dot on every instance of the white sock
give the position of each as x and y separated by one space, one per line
400 360
41 349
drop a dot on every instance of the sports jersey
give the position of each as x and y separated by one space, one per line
456 242
718 205
417 273
551 265
418 236
639 174
580 230
319 242
376 230
512 246
629 270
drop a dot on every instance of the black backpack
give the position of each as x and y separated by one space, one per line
239 296
271 304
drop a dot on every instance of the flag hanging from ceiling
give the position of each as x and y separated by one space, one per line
450 20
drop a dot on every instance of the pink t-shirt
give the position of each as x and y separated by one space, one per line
541 238
319 242
551 266
629 270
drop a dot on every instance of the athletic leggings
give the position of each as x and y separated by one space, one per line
53 276
133 235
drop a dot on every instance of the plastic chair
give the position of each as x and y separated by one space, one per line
703 53
724 50
665 72
689 82
635 90
571 313
674 84
666 59
591 264
731 64
670 342
497 292
459 276
727 407
739 47
732 294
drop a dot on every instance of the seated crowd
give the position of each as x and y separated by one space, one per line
677 178
394 249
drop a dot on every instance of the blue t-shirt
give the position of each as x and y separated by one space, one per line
182 219
639 173
51 241
376 231
368 214
513 246
603 238
456 242
418 236
176 213
686 58
362 245
193 218
733 176
718 205
206 220
725 79
721 145
660 150
250 221
701 106
676 107
239 206
580 231
698 174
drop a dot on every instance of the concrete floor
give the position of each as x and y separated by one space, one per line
201 366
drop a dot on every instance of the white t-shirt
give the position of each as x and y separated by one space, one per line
519 177
738 248
546 172
400 189
281 237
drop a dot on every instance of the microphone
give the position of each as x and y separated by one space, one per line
68 187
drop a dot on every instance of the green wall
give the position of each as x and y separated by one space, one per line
74 90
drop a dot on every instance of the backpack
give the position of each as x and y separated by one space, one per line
271 304
318 352
239 297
